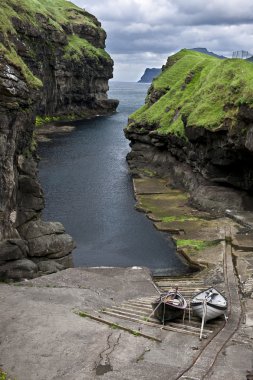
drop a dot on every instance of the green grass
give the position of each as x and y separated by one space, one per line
45 120
147 172
82 314
78 47
13 58
197 87
56 12
36 14
114 326
50 119
135 333
182 218
3 375
197 245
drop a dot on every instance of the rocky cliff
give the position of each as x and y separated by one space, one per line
197 127
52 65
149 75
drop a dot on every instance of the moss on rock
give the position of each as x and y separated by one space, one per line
180 218
78 47
57 12
196 245
61 17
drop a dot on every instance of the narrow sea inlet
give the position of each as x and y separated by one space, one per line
88 188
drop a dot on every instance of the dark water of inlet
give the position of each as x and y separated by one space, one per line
88 188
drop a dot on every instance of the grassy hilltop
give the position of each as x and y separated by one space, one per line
197 90
57 16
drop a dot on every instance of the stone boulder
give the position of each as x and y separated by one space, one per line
38 228
47 239
13 249
217 198
52 246
49 266
18 269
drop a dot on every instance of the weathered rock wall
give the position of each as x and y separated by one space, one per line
197 127
215 166
74 82
23 236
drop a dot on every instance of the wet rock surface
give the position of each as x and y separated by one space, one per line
205 193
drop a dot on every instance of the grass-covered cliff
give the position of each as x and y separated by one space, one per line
59 49
59 16
53 65
197 125
197 90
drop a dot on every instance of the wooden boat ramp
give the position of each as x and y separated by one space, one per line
138 311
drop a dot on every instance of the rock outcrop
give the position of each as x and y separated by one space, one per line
149 75
52 65
197 127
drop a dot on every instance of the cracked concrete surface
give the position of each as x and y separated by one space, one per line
104 365
42 338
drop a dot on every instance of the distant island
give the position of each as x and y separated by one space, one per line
149 75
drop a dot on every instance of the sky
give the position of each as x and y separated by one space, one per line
143 33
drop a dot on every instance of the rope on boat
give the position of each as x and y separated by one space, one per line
163 312
204 306
153 311
162 298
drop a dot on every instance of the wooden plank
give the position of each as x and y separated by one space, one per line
141 317
174 280
142 303
197 329
130 312
130 309
138 306
167 328
182 290
147 299
183 283
111 324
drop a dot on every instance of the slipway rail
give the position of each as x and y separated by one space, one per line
140 310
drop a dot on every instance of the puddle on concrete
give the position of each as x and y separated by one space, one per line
103 368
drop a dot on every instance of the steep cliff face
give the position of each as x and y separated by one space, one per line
52 64
63 46
197 126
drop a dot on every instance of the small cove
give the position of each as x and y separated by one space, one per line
87 187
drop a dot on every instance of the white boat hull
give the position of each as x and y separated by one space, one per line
209 304
211 312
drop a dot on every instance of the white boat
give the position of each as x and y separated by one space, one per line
209 304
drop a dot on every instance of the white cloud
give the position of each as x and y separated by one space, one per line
141 33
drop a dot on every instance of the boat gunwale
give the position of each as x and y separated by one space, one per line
167 303
211 305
